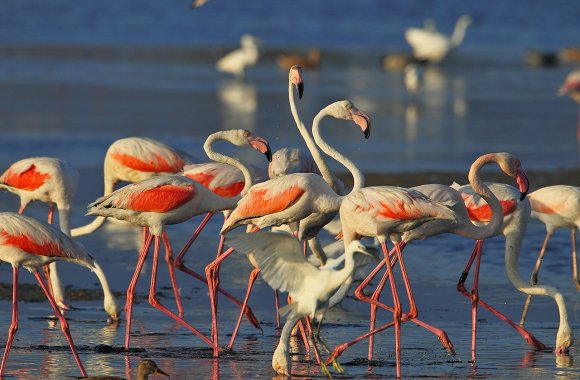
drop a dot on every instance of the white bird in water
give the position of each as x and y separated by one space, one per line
431 45
235 62
284 267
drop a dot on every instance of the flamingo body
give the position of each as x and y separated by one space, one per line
556 206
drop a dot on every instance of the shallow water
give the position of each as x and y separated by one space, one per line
39 351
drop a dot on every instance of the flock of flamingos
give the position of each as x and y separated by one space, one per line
301 198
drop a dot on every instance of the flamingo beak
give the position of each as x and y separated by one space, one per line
362 120
568 87
523 184
296 75
262 146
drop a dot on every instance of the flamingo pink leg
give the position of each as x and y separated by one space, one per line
50 214
156 304
131 288
14 325
63 323
359 293
531 339
534 277
178 263
277 301
169 260
251 281
397 313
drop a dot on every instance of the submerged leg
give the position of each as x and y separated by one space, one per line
63 323
14 324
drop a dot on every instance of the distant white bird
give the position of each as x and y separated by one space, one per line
413 77
433 46
235 62
284 267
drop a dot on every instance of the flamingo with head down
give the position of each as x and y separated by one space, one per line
30 243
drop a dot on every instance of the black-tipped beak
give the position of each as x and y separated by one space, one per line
300 88
523 184
268 153
368 130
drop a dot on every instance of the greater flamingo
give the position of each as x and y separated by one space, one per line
235 62
30 243
165 200
405 215
431 45
303 200
514 228
134 159
284 267
556 206
571 86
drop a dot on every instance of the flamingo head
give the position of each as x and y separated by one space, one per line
281 361
564 339
260 144
112 309
511 165
344 109
571 85
295 77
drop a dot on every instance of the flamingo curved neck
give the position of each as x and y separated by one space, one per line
109 298
459 33
479 187
219 157
358 177
327 174
513 242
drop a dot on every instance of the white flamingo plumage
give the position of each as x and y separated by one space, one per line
431 45
571 87
166 200
52 181
557 207
235 62
134 159
30 243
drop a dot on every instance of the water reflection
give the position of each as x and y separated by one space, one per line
238 104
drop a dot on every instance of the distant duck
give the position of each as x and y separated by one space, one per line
146 367
311 61
569 54
235 62
430 45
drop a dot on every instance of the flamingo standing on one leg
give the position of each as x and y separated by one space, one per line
514 228
134 159
165 200
30 243
556 206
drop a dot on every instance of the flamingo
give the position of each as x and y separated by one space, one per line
134 159
571 86
166 200
514 228
299 197
50 180
556 206
405 215
433 46
30 243
235 62
291 160
284 267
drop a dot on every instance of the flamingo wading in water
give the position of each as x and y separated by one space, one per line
30 243
166 200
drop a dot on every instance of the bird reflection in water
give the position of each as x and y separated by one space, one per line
238 105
